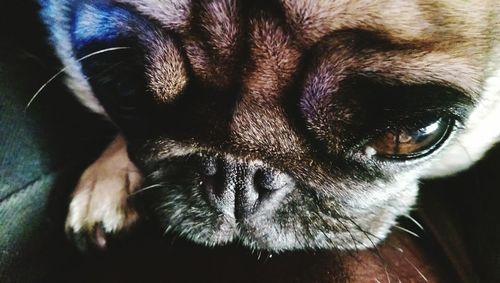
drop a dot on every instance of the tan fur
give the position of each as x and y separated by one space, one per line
101 195
167 72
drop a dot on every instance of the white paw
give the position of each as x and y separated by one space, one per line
99 207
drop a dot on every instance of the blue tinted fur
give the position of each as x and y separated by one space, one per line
75 27
100 22
92 21
58 16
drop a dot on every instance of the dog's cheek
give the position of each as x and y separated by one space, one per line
376 209
307 219
479 134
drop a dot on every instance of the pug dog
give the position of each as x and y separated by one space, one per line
281 125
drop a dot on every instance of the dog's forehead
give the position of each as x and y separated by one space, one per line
404 20
414 20
453 33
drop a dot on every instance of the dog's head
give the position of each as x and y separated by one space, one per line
286 124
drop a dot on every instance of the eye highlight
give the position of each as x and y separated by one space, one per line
410 142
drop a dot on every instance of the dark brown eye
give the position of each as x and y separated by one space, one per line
407 143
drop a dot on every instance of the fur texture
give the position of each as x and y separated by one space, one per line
294 87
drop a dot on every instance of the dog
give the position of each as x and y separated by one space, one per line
281 125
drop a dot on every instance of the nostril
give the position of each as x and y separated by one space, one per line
212 177
209 167
265 181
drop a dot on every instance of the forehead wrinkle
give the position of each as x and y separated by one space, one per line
220 21
315 19
271 66
426 67
210 39
401 20
273 57
396 67
213 45
165 71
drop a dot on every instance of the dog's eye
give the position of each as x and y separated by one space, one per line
117 78
126 98
410 142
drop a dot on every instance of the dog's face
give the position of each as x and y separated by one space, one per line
288 124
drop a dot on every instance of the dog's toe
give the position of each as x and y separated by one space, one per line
90 239
100 208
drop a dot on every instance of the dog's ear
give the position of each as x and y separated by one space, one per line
56 15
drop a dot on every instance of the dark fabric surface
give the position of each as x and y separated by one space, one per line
465 208
43 150
25 186
25 177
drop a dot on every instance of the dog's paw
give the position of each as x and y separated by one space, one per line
99 208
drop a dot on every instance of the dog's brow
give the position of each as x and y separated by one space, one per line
426 67
374 55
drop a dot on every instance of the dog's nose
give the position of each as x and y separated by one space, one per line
242 188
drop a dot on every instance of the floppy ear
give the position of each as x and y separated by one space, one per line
57 18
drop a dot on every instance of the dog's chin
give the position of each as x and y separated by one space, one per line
266 235
302 218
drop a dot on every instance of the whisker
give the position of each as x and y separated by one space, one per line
348 252
466 151
387 274
146 189
416 269
367 235
106 70
407 231
411 263
401 228
375 249
415 221
355 241
404 257
65 68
